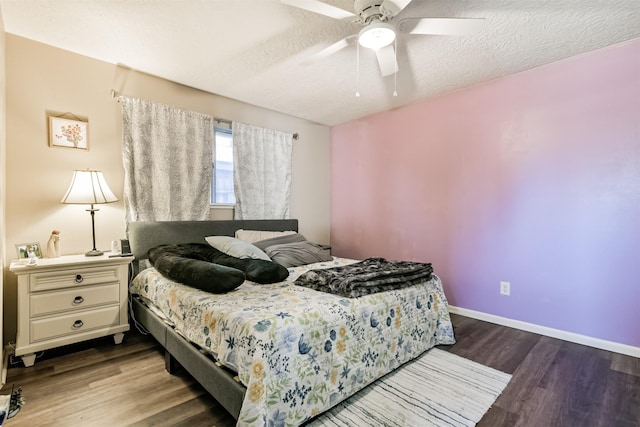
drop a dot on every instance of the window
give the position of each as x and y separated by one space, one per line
222 179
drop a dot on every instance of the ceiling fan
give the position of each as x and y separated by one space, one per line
379 29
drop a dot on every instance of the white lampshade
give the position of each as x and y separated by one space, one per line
88 187
377 35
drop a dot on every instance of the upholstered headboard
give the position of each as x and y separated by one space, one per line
144 235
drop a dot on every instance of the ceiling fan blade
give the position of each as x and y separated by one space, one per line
387 60
442 26
321 8
329 50
394 6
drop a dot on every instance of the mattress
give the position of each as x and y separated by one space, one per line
299 351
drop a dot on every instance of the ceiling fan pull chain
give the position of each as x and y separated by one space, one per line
395 75
357 70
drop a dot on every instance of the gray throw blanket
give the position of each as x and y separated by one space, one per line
366 277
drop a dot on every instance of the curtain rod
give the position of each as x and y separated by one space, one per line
226 121
116 95
229 122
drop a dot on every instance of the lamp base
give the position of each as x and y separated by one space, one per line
94 252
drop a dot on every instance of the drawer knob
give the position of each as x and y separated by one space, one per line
77 324
79 278
78 300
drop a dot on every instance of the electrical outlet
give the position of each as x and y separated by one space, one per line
505 288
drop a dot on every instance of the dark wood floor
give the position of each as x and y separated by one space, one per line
555 383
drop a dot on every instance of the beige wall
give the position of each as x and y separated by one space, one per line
42 80
3 144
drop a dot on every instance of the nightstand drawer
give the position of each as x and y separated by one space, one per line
74 323
73 299
71 278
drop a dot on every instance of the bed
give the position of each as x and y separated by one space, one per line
279 353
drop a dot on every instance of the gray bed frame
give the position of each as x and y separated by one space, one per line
144 235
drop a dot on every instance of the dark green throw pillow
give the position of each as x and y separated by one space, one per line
209 277
204 267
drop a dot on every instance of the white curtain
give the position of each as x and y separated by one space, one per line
167 160
261 172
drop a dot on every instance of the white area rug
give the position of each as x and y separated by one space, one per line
436 389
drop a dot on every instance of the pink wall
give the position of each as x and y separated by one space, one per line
532 179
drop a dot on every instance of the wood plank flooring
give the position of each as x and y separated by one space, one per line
555 383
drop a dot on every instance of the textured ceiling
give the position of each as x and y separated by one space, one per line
250 50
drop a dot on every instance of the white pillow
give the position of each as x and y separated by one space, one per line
252 236
236 247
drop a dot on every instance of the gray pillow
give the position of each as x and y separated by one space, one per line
297 253
279 240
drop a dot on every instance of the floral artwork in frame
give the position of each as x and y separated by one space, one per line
68 133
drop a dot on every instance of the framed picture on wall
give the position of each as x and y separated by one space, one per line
29 250
68 133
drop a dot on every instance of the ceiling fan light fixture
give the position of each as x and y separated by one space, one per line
377 35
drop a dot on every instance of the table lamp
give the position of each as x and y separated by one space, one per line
89 188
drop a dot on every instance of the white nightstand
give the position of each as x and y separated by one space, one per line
70 299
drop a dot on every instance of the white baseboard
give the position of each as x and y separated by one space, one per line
549 332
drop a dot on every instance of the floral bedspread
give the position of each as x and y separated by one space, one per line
300 351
